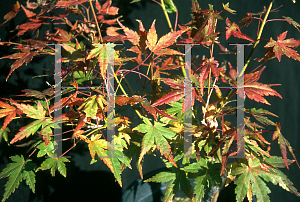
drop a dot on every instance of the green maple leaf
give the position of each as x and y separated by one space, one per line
177 177
103 55
45 149
17 172
258 115
156 135
4 134
277 161
209 176
30 111
172 187
249 179
91 106
55 163
249 182
195 167
29 176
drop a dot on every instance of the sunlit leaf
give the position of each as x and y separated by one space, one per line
284 46
156 134
55 163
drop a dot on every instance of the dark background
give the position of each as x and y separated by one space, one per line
88 182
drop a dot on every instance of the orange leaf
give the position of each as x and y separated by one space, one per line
132 36
282 46
28 13
167 40
10 15
152 37
8 111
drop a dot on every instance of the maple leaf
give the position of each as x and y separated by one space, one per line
156 134
233 29
177 177
258 115
31 112
282 46
16 173
28 130
31 128
122 100
253 89
173 96
178 127
251 171
28 13
100 147
25 56
293 22
37 94
46 131
172 187
10 113
207 178
63 36
277 161
45 149
103 55
90 107
106 8
247 20
55 163
164 42
283 143
132 36
226 7
207 66
10 15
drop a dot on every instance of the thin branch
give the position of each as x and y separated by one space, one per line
94 14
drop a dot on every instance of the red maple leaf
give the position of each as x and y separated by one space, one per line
207 66
283 143
282 46
253 89
233 29
24 57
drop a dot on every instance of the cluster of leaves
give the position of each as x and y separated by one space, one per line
213 137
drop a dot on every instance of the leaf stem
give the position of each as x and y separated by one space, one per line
258 37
